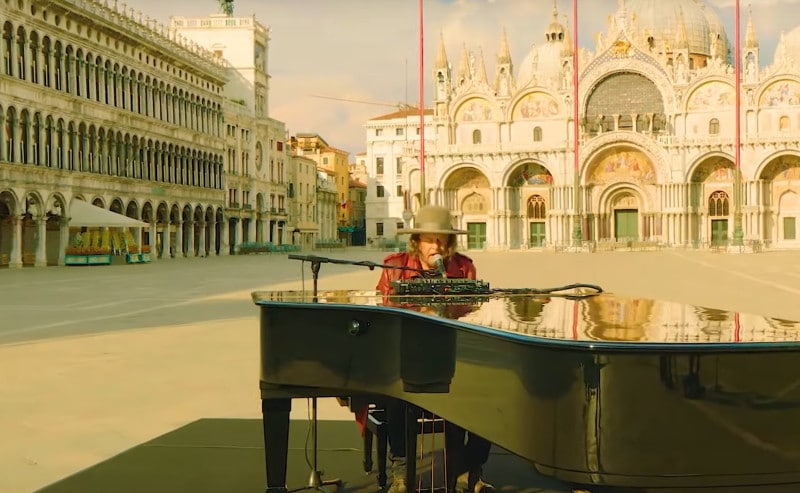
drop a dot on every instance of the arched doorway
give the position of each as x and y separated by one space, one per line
474 208
710 193
527 197
620 180
718 212
467 193
781 203
536 214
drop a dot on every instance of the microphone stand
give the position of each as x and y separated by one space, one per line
315 481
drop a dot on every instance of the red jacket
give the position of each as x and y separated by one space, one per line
457 266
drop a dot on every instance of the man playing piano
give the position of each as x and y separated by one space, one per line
433 238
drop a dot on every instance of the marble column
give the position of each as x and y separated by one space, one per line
178 248
165 241
15 256
41 242
153 252
190 239
201 246
224 246
63 239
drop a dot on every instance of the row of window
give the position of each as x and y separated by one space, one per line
380 166
76 146
380 191
28 56
398 131
477 137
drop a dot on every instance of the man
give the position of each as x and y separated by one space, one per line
433 235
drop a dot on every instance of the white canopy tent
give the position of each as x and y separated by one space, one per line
82 214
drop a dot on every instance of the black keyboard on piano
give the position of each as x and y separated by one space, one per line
602 390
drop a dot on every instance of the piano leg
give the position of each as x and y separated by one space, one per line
275 414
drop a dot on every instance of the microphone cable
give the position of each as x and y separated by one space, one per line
556 291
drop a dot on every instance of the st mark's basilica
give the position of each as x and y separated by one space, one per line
656 141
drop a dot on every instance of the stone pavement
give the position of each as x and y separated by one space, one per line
95 360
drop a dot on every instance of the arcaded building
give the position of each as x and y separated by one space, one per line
102 105
656 137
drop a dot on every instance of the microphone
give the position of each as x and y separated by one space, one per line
438 263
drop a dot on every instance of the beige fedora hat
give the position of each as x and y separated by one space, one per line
432 219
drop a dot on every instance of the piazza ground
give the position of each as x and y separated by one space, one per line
97 360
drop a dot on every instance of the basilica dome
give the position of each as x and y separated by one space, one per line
705 33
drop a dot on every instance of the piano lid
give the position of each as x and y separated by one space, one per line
605 318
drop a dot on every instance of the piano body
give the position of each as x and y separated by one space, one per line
602 390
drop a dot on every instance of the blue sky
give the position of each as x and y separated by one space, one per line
367 49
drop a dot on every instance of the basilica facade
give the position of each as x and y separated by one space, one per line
656 129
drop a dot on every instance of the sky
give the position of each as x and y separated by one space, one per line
367 50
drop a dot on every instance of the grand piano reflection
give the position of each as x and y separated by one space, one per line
603 390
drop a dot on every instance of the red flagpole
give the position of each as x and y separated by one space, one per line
578 233
421 109
738 70
738 233
575 126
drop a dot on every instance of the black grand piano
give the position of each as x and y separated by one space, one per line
601 390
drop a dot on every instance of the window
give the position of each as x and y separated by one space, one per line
378 165
399 225
718 204
379 229
399 166
280 146
476 136
398 131
324 160
713 127
399 190
536 207
417 130
380 191
378 132
537 134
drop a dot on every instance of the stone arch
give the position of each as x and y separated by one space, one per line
782 92
474 203
116 206
781 174
710 96
620 163
11 202
534 105
644 100
528 173
475 109
55 205
148 214
132 210
622 213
